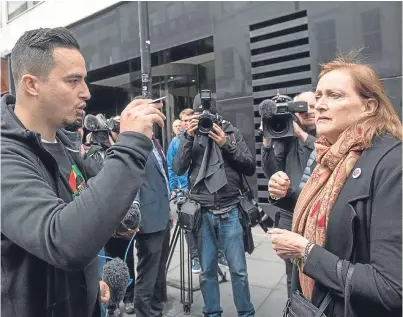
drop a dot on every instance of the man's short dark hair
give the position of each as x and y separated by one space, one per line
33 51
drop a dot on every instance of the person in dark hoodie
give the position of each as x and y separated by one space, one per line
216 163
57 210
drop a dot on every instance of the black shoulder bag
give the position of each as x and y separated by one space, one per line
299 306
249 214
252 212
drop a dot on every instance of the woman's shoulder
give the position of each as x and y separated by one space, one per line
388 147
388 150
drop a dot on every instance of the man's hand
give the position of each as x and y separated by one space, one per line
278 185
219 135
140 115
104 291
298 132
266 142
192 127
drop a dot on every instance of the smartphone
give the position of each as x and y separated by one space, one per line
157 100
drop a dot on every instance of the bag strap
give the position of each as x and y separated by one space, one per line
346 287
243 181
324 304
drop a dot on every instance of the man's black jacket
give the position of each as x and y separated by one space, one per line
289 155
50 243
237 160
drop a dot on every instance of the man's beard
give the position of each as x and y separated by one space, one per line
73 126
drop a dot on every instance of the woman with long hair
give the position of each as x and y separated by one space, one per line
347 224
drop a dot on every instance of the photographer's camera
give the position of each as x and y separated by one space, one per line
209 116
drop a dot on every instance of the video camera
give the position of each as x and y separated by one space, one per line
278 115
185 210
207 117
101 128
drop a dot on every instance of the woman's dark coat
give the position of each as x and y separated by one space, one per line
364 229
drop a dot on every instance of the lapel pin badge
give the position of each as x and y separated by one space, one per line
357 172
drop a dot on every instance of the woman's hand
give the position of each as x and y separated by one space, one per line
278 185
287 244
104 291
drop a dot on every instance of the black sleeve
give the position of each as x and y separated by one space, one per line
377 284
288 202
69 235
91 166
239 156
310 142
183 157
273 158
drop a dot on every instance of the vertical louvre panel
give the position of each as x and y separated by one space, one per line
280 59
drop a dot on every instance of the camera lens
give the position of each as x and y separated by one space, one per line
278 125
205 125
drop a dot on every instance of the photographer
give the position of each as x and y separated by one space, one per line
216 160
290 156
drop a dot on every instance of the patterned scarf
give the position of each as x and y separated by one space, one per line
311 215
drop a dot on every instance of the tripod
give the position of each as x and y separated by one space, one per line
186 292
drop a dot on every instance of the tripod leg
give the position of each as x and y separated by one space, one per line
181 266
172 246
221 274
190 275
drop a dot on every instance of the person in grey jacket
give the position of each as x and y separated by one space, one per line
346 237
57 211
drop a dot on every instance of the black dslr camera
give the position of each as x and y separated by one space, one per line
278 115
207 118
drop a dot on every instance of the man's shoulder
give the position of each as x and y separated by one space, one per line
17 148
229 128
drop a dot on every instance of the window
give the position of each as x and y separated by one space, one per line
15 8
326 40
371 30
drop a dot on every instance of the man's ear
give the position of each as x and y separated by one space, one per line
371 106
30 84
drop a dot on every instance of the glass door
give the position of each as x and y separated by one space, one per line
180 92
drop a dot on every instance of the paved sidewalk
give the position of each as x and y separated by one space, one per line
266 279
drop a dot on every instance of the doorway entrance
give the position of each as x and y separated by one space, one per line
175 81
179 80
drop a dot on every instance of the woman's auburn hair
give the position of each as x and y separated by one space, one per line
384 119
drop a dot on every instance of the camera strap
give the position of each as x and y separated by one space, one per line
244 190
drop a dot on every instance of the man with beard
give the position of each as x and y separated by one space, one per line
56 210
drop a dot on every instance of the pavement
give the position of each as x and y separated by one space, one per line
267 282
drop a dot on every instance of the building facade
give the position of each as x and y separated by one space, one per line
244 51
